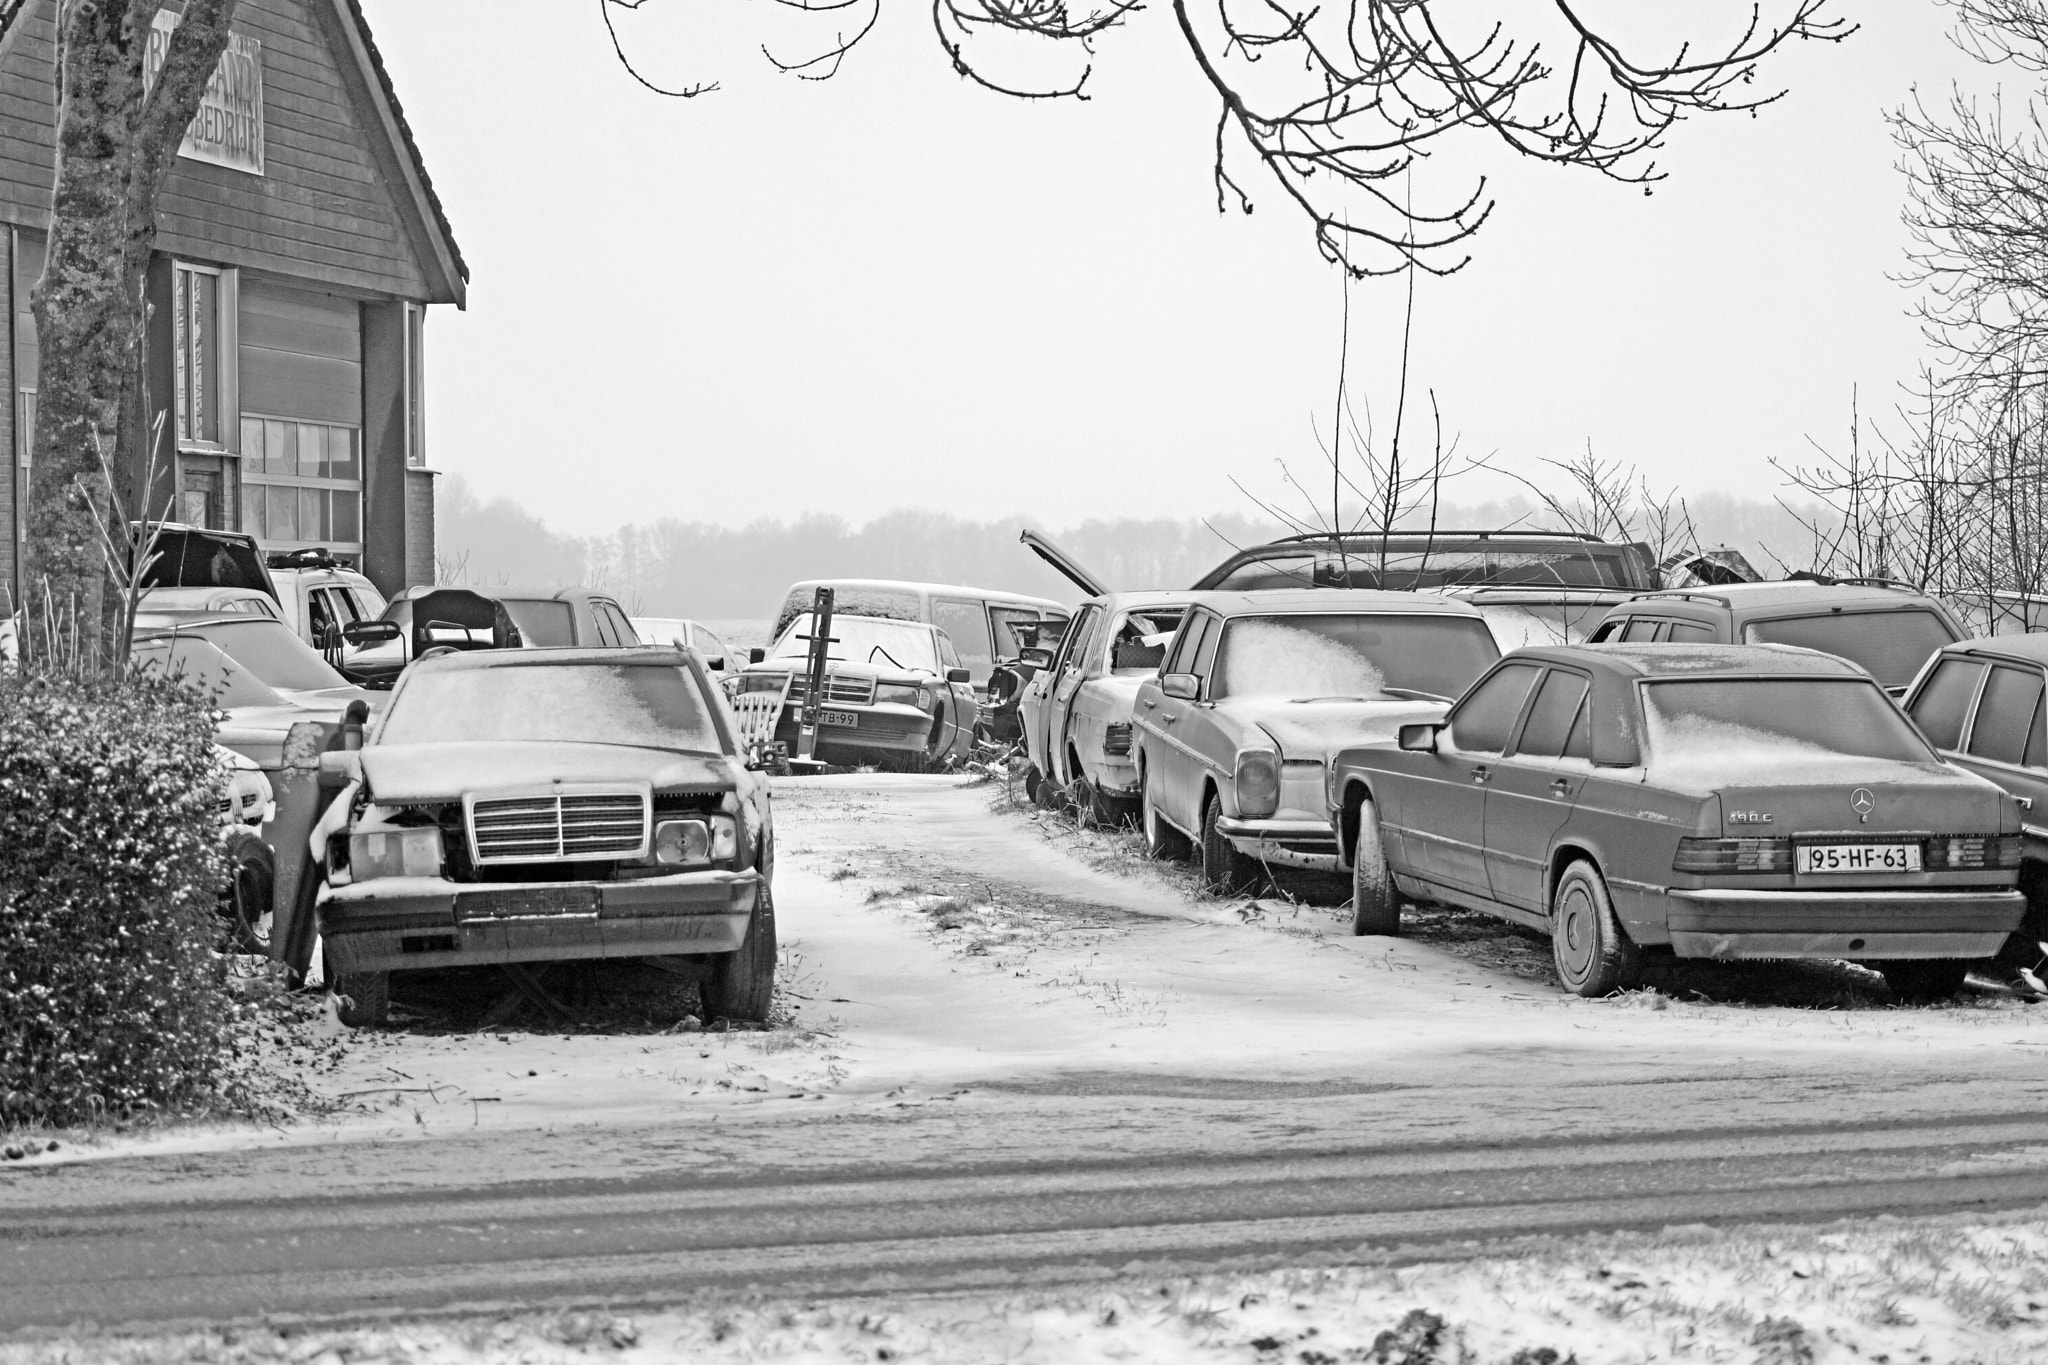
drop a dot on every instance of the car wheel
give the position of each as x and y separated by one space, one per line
1926 978
1162 840
363 999
742 983
1375 904
1224 870
1592 954
1033 780
246 905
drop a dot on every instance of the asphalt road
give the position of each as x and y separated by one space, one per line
172 1254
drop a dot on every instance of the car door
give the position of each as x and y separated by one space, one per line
1167 763
1066 683
1531 791
965 622
1443 812
1941 707
2006 742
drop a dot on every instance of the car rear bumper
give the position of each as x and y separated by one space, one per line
408 922
1865 925
1310 844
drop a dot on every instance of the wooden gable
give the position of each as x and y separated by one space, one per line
342 201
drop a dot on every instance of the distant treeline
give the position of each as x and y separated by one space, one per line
698 569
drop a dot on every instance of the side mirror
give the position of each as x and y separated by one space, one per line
364 633
1419 738
956 675
1037 658
716 665
755 655
1181 686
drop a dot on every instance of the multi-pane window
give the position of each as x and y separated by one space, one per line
302 482
195 337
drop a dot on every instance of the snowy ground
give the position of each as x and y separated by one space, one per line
1892 1293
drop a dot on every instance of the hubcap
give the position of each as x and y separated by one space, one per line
1574 933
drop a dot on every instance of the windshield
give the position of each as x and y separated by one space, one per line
204 669
1353 656
863 639
1889 645
653 706
270 651
1771 722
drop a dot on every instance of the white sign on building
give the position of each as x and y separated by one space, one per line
228 129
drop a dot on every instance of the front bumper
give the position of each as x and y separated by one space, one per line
1310 844
896 728
408 922
1857 925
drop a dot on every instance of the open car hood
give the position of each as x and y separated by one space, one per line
401 773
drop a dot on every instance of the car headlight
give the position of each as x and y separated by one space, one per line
903 694
394 853
1258 782
696 842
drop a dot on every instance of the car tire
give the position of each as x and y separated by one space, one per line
1925 978
1162 841
362 999
1033 779
1225 871
252 880
1375 903
742 984
1590 950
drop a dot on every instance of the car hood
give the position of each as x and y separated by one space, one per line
1313 730
258 733
401 773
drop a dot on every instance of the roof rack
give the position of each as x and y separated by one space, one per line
1318 538
1683 594
311 557
1865 581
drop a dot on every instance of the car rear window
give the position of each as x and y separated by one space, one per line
1890 645
1768 722
650 705
1352 655
542 621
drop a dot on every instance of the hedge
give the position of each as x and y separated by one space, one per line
113 1000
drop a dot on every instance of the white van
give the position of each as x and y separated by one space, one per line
984 625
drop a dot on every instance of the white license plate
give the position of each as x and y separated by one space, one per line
1857 857
847 718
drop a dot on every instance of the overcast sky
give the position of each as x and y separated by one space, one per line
895 289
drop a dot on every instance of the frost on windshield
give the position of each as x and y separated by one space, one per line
648 705
864 639
1268 659
1772 731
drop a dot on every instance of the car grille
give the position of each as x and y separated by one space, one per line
543 828
840 689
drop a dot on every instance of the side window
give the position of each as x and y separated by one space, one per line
1605 630
711 647
1641 630
2008 714
319 617
967 624
605 635
1942 705
1013 625
948 656
1073 648
1182 657
1205 656
621 627
1483 720
1690 633
369 602
1560 701
344 606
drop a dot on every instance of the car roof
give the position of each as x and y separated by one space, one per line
551 654
1792 593
1150 597
501 592
908 585
1693 660
1330 602
2031 649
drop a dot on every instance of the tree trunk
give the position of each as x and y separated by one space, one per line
116 143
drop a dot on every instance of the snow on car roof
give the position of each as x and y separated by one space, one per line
1673 660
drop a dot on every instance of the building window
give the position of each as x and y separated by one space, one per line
25 427
415 386
197 342
302 483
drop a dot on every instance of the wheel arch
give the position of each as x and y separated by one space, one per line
1563 856
1356 794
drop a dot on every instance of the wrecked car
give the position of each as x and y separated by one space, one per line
426 617
524 806
1712 801
895 694
1256 692
984 625
1077 710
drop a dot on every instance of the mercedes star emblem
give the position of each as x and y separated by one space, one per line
1862 802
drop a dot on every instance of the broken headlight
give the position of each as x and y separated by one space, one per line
903 694
394 853
697 841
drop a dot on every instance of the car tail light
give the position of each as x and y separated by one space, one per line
1258 782
1974 851
1116 738
1733 855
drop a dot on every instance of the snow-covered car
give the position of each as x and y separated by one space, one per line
543 618
895 693
534 805
1717 801
1077 710
1259 689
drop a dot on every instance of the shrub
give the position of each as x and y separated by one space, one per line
112 1000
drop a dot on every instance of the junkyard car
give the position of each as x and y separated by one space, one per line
895 692
1715 801
1077 711
1256 692
544 618
983 624
321 594
1979 702
536 805
1886 628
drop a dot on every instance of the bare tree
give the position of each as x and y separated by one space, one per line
1332 105
1612 501
117 138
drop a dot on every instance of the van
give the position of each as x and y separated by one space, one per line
983 624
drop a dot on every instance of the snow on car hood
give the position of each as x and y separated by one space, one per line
401 773
1313 730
